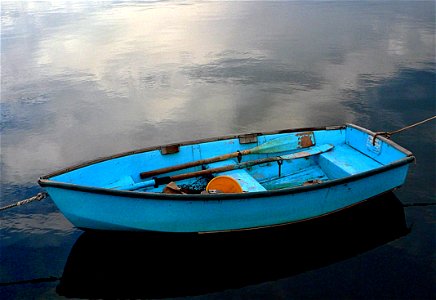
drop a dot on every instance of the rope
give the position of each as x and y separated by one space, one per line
38 197
388 134
33 281
419 204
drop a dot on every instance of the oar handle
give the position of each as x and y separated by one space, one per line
164 180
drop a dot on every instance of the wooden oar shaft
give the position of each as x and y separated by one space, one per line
280 144
164 180
167 179
248 164
193 164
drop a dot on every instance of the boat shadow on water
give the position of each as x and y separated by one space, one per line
157 265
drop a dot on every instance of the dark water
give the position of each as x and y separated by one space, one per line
83 80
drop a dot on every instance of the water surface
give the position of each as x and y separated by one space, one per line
83 80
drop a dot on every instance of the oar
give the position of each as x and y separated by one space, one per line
280 144
167 179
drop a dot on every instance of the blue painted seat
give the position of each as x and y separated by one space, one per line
344 160
245 180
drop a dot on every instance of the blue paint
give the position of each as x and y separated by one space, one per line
327 181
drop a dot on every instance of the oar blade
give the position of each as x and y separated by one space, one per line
286 143
313 151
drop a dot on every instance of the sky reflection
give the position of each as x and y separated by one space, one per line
78 76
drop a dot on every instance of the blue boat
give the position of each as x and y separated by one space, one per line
230 183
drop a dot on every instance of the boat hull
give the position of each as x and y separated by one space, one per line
128 211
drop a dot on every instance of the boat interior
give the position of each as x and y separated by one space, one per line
312 157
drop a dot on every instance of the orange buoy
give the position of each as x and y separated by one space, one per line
224 184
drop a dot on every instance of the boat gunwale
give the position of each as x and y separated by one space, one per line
218 197
46 182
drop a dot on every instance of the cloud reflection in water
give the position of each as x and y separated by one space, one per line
76 78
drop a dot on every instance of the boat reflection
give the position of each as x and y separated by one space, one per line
156 265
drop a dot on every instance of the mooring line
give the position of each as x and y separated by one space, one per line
38 197
419 204
388 134
32 281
